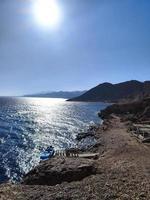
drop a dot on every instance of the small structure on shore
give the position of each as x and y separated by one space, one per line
72 152
75 152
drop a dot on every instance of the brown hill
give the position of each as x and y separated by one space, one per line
107 92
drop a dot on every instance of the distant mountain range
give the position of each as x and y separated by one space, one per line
59 94
107 92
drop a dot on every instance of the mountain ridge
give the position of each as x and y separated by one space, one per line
57 94
108 92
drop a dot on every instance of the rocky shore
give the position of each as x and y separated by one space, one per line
137 111
121 170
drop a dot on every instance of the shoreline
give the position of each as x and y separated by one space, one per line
121 171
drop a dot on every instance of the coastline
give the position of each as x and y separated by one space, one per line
121 171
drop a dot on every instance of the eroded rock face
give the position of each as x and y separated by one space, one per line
58 170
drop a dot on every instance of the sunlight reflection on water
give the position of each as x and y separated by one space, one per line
26 124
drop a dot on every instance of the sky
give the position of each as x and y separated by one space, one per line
94 41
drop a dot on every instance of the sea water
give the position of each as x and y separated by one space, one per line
28 124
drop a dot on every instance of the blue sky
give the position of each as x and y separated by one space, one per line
96 41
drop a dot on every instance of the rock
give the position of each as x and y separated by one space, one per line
89 133
81 136
58 170
125 197
142 195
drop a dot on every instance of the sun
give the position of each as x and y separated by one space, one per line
46 12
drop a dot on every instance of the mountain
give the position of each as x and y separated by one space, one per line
107 92
59 94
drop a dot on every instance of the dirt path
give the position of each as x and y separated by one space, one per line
126 160
123 172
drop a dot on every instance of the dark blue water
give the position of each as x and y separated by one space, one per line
26 124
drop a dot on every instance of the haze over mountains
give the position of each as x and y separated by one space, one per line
107 92
59 94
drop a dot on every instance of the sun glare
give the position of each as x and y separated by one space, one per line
46 12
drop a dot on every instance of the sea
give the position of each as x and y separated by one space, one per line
29 124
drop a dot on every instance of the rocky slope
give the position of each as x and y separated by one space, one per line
108 92
135 111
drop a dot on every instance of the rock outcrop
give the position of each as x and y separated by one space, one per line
58 170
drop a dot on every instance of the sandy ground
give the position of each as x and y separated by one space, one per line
123 173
